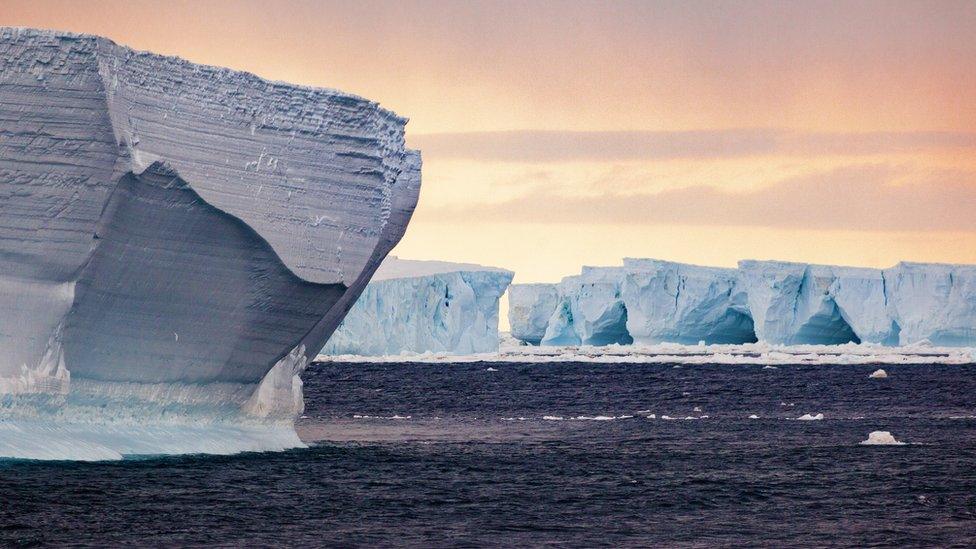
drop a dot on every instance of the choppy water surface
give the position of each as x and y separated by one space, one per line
551 454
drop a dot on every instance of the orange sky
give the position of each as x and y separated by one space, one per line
562 133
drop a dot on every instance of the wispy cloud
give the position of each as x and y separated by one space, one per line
859 197
563 146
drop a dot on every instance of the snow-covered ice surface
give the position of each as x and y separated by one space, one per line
762 354
420 306
176 241
652 301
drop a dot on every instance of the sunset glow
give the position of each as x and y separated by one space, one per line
557 134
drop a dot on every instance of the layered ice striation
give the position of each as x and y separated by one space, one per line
652 301
176 242
424 306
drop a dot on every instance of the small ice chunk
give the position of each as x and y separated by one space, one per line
490 369
697 409
552 418
769 367
651 416
753 416
810 417
881 438
878 374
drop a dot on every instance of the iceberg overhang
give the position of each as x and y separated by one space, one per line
176 242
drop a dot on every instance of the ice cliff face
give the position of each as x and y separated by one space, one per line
674 302
654 301
590 310
934 302
176 236
530 306
420 306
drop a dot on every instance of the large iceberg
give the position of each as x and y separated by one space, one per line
424 306
176 242
652 301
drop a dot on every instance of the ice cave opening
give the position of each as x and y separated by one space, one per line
612 328
827 327
734 328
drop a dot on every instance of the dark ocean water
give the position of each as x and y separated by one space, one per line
463 470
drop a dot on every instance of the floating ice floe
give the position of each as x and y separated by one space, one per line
810 417
394 416
881 438
489 369
753 416
878 374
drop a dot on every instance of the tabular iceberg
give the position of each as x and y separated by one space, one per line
421 306
176 242
652 301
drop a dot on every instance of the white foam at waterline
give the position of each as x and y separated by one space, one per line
810 417
553 418
394 416
750 353
768 367
881 438
44 440
878 374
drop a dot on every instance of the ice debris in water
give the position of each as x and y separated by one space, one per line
810 417
880 438
753 416
878 374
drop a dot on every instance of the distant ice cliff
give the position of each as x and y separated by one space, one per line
651 301
421 306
